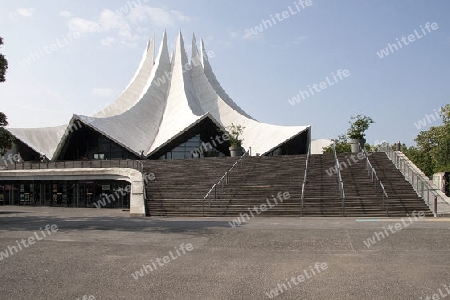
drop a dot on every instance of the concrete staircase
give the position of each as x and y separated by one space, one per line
180 186
361 197
257 182
403 199
322 196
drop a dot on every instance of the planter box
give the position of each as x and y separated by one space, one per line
236 151
356 143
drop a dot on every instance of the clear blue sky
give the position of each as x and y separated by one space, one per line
81 74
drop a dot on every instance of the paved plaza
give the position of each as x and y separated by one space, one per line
105 254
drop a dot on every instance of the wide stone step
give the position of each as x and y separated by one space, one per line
181 186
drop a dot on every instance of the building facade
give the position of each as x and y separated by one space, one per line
173 108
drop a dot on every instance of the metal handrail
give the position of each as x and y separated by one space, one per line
339 179
418 181
113 163
371 170
304 181
224 177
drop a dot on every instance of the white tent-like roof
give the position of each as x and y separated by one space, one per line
165 98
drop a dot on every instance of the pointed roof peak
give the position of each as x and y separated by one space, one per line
179 45
203 54
151 44
164 37
150 41
180 37
195 53
163 48
179 48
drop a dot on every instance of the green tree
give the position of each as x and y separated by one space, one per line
445 114
358 126
3 64
235 132
421 159
6 139
433 147
342 146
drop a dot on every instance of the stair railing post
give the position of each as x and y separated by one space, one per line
418 183
302 197
386 206
368 166
422 192
411 176
435 206
301 208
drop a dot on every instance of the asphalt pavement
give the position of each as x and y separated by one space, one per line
105 254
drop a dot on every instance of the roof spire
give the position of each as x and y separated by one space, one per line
203 55
195 58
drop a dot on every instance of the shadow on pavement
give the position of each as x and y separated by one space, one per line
33 223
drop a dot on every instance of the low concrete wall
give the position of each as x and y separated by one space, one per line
437 180
443 202
134 177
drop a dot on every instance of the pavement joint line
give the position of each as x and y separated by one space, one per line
399 219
